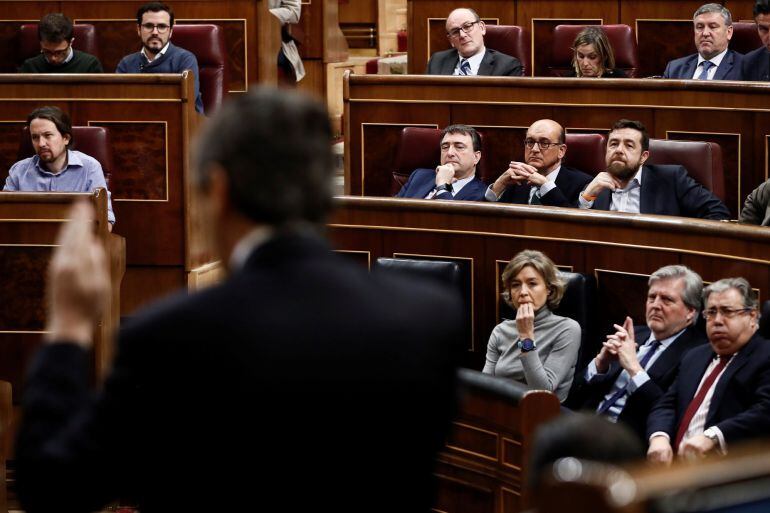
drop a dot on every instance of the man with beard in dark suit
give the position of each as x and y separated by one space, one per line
637 364
300 382
541 179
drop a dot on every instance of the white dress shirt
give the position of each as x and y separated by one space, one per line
474 61
548 186
716 61
627 199
456 187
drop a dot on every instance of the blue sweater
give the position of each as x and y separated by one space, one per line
175 60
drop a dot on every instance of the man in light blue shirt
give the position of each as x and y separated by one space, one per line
56 168
637 364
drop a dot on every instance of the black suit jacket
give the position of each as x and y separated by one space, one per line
590 394
569 184
740 406
728 69
669 190
422 181
494 63
756 65
300 381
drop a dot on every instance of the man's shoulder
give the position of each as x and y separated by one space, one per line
675 65
757 54
500 56
668 171
85 56
443 54
180 53
23 165
421 172
130 63
83 159
33 64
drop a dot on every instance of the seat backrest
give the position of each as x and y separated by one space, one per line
420 147
621 38
94 141
585 152
512 40
764 320
745 37
703 161
443 271
84 34
207 43
579 303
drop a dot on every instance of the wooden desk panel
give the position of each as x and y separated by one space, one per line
621 250
734 114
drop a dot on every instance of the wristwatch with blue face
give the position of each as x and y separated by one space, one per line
526 345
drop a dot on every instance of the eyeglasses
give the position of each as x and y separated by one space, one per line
162 27
544 144
727 313
466 27
58 54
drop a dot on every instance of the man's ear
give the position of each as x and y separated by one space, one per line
644 156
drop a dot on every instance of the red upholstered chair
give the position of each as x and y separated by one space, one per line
207 42
585 152
512 40
29 45
371 66
91 140
703 161
420 147
745 37
621 38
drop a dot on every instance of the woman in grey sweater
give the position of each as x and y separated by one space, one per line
539 348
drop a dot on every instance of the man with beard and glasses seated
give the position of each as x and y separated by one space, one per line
628 185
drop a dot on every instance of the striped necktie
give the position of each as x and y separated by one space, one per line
704 74
620 393
465 67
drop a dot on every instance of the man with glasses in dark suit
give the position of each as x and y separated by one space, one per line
468 55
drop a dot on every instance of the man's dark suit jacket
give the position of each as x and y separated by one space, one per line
300 383
740 406
569 184
494 63
589 394
756 65
684 67
422 181
669 190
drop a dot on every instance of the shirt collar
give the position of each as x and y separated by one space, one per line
666 341
159 54
716 61
459 184
551 177
633 183
73 160
247 244
475 60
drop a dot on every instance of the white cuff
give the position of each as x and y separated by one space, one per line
583 203
547 187
640 379
591 370
490 195
659 433
713 430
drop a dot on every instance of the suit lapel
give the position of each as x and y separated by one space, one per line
649 193
468 190
725 66
692 376
602 201
424 188
671 355
741 359
449 65
487 63
689 69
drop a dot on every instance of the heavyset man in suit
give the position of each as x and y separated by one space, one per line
300 371
756 64
637 364
628 185
468 55
713 26
541 179
722 393
455 178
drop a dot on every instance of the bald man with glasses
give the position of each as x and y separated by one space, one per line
468 55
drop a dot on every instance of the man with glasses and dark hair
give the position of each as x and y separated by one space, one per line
154 25
722 393
55 34
468 56
455 178
541 179
756 64
630 185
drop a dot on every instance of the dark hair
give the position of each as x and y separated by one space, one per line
761 7
154 7
636 125
594 36
275 147
56 116
584 436
55 28
465 130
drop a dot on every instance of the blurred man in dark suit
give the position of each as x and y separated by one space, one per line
468 55
756 64
298 383
713 26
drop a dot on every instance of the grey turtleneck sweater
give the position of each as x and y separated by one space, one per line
549 367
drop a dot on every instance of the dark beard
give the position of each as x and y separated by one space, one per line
622 171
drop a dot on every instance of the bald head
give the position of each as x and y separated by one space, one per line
465 31
550 133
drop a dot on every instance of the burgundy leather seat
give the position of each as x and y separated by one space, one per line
420 147
745 37
585 152
621 38
29 44
512 40
703 161
91 140
207 42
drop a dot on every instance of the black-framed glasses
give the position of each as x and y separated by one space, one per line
466 27
58 54
543 145
727 313
162 27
